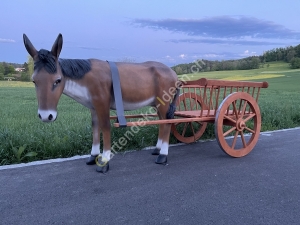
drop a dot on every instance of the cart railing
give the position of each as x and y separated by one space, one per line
201 98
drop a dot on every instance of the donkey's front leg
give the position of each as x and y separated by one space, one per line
103 161
96 139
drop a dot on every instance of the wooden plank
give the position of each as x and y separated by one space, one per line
135 116
226 83
170 121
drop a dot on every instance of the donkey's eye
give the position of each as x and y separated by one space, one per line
57 82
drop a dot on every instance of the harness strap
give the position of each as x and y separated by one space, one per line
117 93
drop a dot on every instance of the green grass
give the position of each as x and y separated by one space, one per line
71 133
274 67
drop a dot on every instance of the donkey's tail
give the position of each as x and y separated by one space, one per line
172 107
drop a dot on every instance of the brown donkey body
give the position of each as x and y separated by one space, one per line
89 82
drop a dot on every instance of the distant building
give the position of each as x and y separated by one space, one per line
19 69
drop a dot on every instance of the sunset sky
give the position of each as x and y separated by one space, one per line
167 31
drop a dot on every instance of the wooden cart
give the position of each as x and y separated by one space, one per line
230 105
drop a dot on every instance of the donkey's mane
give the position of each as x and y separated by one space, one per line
72 68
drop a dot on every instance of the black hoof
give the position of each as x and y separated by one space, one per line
155 152
102 167
91 160
161 159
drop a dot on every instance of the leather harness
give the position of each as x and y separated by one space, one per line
117 93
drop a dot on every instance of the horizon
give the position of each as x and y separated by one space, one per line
169 32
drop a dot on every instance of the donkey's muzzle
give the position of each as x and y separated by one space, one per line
47 115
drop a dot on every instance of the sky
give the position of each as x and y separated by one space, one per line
171 32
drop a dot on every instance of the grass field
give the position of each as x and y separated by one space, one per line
22 132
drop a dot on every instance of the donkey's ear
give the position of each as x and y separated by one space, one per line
56 48
29 47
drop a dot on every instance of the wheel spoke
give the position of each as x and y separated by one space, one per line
243 139
244 108
234 139
229 118
250 130
200 123
235 110
192 129
229 131
184 129
249 117
177 124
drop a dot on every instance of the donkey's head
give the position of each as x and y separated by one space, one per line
47 77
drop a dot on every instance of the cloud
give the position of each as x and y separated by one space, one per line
92 48
3 40
247 53
169 58
222 27
225 41
211 55
183 56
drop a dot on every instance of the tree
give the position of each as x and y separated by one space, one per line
255 63
290 55
1 68
11 69
178 70
295 63
297 51
1 72
25 66
30 65
24 77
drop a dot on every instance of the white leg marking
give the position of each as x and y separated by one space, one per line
44 115
164 148
158 144
106 155
95 149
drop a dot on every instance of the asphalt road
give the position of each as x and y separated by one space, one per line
201 185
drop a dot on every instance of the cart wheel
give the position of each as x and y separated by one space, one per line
188 132
237 124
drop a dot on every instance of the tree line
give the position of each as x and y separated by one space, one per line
8 70
289 54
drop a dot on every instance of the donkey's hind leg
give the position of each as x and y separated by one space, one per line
156 151
164 135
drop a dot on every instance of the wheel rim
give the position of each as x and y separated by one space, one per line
190 131
237 132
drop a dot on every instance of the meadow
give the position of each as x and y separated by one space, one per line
21 132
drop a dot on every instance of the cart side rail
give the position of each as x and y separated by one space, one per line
225 83
209 94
